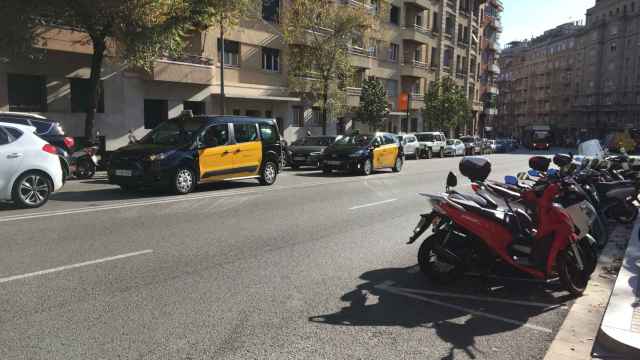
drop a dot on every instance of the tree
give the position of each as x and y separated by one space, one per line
135 31
225 14
318 34
445 105
373 103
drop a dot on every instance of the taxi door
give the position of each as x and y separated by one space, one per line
215 157
379 153
248 154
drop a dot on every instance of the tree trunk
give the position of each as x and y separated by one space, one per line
97 57
325 100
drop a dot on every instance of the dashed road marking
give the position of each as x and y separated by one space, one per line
72 266
373 204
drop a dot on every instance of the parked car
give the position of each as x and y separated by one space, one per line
49 130
431 143
30 169
186 151
410 145
308 151
502 145
472 144
455 147
364 153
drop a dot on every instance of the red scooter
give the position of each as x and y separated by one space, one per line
471 234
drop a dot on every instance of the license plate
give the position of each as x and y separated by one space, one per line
299 158
333 162
124 173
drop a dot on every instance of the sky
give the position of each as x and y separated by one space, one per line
523 19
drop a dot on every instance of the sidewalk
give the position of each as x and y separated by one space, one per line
619 335
576 337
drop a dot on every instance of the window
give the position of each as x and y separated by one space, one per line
155 112
216 135
14 133
613 47
245 132
197 107
80 90
27 92
392 88
252 113
395 15
419 19
414 124
390 139
231 52
393 52
268 134
436 23
404 125
270 59
298 116
271 10
4 137
44 127
236 112
13 120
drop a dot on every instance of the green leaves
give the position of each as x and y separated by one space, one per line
446 106
373 103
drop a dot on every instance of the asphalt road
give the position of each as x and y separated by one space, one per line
315 267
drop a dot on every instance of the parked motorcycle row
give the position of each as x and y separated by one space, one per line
546 222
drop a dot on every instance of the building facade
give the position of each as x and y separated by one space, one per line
421 41
491 27
582 80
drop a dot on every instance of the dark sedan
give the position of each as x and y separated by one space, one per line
308 151
364 154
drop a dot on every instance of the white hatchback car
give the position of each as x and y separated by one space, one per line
30 168
454 147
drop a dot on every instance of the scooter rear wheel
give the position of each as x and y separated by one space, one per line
571 276
627 213
437 262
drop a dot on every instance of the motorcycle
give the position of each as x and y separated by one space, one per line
469 234
83 163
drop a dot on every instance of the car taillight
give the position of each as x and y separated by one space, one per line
50 149
69 142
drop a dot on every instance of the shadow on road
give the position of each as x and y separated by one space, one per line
371 304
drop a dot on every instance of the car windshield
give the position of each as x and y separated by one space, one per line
425 137
173 132
355 140
451 142
313 141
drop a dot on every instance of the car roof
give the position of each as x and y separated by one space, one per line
24 128
23 115
429 132
235 119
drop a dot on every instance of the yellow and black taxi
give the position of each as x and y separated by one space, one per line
188 150
364 153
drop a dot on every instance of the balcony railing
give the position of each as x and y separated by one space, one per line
494 68
190 59
414 63
356 50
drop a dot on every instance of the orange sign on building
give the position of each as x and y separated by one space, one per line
403 102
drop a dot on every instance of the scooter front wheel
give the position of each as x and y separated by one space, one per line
437 262
572 277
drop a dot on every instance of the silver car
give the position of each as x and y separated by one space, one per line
454 147
410 145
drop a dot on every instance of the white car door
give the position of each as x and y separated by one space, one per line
10 159
412 144
460 148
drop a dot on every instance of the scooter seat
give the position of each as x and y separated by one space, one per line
475 204
605 187
479 200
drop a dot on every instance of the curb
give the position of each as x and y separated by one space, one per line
576 337
620 329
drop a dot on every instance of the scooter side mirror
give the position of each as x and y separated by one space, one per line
511 180
452 180
553 172
534 173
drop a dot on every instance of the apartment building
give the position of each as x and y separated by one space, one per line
420 42
491 27
581 80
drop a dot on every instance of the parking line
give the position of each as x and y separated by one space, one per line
482 298
73 266
463 309
372 204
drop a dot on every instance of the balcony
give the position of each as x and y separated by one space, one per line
360 4
422 4
493 90
191 69
495 23
414 68
492 45
417 33
416 101
494 69
498 4
363 58
490 111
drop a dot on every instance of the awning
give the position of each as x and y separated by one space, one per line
397 113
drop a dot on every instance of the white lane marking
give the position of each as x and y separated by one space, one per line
463 309
482 298
73 266
372 204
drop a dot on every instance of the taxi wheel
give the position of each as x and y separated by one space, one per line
184 181
367 167
269 173
441 152
398 165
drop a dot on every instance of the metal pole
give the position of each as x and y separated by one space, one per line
222 107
